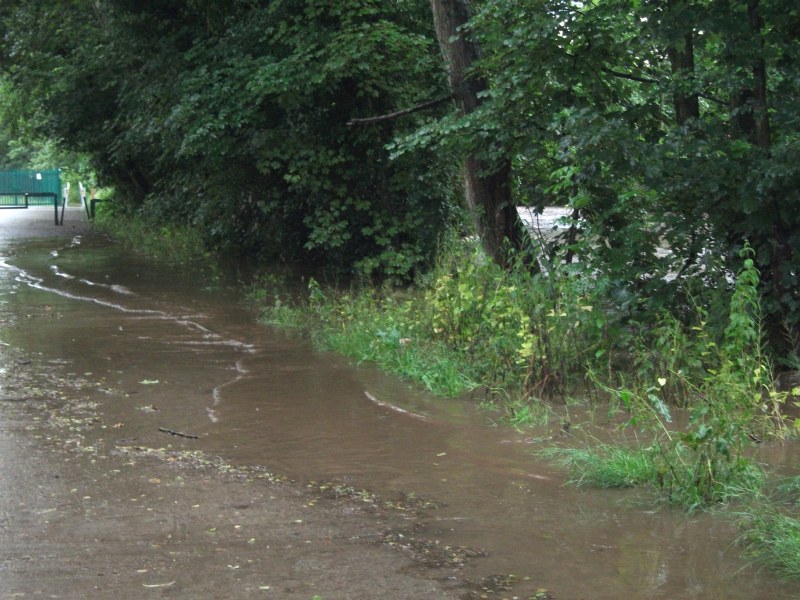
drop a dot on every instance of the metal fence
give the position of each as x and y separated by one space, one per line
15 184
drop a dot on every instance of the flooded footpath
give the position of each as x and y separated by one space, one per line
156 442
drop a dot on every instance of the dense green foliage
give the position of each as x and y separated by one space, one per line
231 117
666 124
662 124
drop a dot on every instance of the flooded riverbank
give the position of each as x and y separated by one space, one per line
165 351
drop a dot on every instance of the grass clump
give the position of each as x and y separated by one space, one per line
773 537
280 314
269 294
606 465
369 325
522 413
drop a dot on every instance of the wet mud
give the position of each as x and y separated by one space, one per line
79 522
158 437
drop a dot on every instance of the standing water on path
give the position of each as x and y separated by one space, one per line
172 354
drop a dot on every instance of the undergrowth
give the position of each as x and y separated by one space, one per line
170 243
730 402
529 338
468 322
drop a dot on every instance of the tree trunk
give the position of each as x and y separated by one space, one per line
487 186
763 137
749 104
750 107
780 245
681 59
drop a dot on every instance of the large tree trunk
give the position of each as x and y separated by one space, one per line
487 187
763 137
749 103
681 58
750 107
780 245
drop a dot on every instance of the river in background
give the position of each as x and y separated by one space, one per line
172 348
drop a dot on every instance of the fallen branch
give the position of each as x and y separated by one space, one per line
403 411
178 433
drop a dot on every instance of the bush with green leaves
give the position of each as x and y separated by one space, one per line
469 323
532 333
724 381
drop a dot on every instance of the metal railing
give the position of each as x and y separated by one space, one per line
33 181
90 205
15 202
55 203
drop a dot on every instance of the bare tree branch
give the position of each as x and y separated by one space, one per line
628 76
714 99
399 113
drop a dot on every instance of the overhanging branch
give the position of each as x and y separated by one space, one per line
631 77
399 113
628 76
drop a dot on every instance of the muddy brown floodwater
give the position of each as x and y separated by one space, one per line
111 357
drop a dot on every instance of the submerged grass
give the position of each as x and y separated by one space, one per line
433 367
606 465
281 314
670 471
521 413
772 536
367 327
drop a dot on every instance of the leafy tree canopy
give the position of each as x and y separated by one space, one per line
233 116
